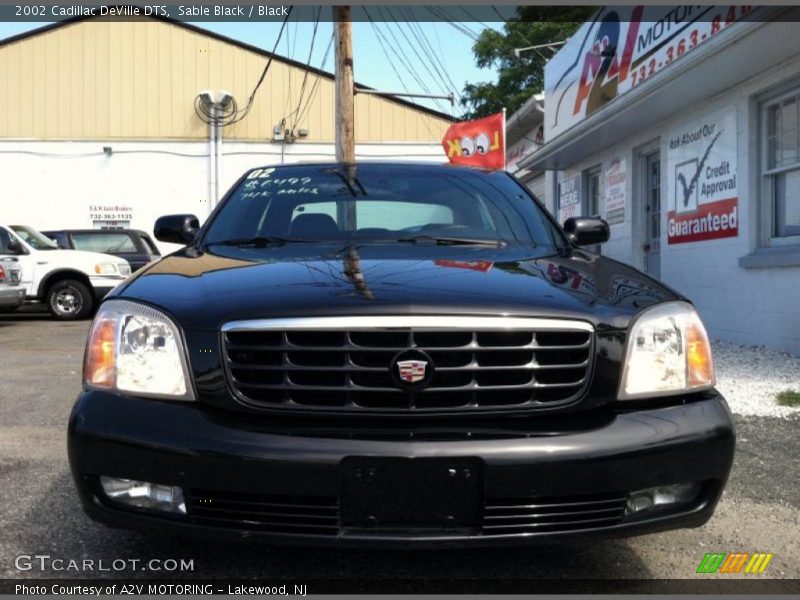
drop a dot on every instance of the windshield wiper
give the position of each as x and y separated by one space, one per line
260 241
451 241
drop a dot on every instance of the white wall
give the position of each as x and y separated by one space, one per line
51 185
746 306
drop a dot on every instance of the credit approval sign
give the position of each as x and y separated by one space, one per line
702 179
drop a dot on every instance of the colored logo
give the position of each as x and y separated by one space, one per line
412 371
734 562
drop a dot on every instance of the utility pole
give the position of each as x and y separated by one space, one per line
345 114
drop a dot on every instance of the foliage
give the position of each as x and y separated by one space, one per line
789 398
518 78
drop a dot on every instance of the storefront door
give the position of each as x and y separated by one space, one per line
652 214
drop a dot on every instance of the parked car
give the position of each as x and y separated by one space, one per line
70 282
133 245
399 355
12 294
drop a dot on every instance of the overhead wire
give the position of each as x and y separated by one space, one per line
307 69
315 86
233 114
428 50
400 79
409 67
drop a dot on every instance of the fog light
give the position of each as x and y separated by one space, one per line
664 496
143 494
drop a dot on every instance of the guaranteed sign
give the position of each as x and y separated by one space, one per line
702 180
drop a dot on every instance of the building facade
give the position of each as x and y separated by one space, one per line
99 127
681 127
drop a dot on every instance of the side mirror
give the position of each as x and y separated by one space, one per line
586 231
14 246
176 229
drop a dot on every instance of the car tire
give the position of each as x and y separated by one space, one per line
69 300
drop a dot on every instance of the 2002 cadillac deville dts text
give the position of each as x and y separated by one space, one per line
395 354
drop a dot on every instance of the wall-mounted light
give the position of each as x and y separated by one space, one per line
108 150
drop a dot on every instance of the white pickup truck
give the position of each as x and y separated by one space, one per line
70 282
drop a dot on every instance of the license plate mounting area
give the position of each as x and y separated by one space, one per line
388 493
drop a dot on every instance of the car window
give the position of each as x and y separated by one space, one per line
103 242
318 203
380 214
5 237
33 238
148 243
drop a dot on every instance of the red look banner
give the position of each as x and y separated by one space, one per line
479 143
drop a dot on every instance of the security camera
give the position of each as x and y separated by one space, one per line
206 97
224 99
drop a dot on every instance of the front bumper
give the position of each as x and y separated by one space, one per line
235 462
102 285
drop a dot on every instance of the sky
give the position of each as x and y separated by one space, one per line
371 44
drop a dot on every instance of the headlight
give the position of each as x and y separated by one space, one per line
138 349
667 352
106 269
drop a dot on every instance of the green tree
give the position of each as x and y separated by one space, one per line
518 78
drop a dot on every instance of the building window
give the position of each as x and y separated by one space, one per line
591 190
782 167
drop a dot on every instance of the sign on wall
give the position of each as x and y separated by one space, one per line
569 197
615 182
620 49
524 148
702 180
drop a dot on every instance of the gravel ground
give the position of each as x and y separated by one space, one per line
751 377
40 514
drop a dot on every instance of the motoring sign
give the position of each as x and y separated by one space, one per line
620 49
702 181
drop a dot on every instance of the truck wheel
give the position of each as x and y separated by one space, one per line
69 300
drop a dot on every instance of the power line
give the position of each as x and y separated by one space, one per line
472 17
427 48
420 81
440 16
308 66
378 36
290 52
315 85
238 116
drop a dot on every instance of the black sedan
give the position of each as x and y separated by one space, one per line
395 354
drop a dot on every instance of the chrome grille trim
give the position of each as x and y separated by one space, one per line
342 364
427 322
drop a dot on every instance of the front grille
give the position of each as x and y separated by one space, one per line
550 515
346 363
319 516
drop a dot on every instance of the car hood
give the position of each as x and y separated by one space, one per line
76 258
204 289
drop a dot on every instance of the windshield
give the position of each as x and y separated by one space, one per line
380 203
34 239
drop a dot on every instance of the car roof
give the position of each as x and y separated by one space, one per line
428 166
139 231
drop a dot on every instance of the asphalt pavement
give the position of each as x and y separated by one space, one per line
40 364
